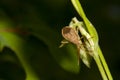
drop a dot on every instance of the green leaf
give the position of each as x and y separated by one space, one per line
15 43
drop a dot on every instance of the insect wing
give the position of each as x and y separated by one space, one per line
70 34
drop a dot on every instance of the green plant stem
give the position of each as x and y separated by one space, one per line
89 26
100 67
100 60
104 64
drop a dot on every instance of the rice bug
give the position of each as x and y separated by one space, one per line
71 35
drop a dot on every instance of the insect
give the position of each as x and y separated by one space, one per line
71 35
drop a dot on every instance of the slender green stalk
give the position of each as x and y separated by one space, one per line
100 67
104 64
89 26
100 60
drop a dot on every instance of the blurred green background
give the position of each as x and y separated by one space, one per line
30 35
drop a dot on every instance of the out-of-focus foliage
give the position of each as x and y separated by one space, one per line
30 35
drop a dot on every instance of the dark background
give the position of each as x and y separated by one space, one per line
104 15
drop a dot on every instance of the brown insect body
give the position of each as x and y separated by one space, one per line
71 35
